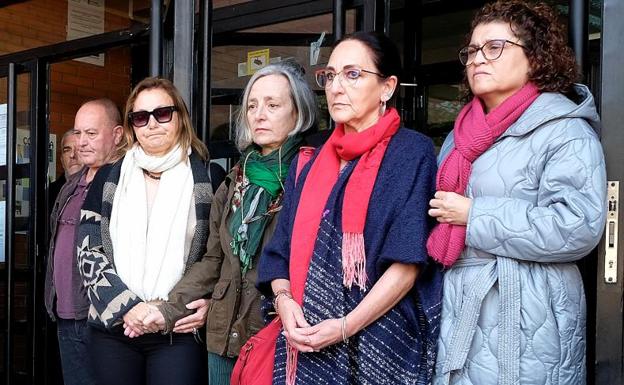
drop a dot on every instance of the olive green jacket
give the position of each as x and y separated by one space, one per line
234 314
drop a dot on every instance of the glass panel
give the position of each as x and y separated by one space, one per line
443 35
443 106
315 24
229 68
31 24
225 3
595 19
595 14
74 82
22 317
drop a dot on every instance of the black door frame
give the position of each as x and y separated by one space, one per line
609 322
36 62
609 317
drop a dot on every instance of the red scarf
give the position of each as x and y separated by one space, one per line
371 145
474 133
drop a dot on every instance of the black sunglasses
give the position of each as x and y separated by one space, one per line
161 114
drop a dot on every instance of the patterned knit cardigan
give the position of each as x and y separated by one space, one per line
109 296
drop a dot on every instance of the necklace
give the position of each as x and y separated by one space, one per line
150 175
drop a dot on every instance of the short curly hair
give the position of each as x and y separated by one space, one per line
553 67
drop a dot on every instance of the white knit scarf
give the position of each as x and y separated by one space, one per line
150 255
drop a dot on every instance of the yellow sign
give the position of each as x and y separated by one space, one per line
256 60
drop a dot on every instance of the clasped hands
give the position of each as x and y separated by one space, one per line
145 317
301 335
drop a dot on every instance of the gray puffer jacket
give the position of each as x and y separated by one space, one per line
514 305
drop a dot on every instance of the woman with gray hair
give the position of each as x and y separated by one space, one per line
277 106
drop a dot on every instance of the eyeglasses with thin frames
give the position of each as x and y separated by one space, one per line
350 74
491 50
161 114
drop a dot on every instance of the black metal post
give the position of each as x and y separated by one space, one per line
183 50
386 18
578 31
373 17
9 208
412 40
206 66
369 15
338 20
156 45
73 49
37 245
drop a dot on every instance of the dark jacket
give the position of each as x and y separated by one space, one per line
54 189
234 313
110 298
81 303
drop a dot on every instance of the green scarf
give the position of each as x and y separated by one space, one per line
258 196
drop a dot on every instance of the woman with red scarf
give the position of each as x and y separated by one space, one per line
521 196
357 297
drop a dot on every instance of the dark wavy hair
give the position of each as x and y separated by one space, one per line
383 51
553 67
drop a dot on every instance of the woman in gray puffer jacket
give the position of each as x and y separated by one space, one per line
521 197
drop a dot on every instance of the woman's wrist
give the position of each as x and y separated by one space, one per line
343 330
280 294
351 327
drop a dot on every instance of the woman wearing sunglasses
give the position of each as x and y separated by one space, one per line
144 223
521 197
347 267
277 107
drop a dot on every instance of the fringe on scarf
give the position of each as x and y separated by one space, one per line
353 260
291 364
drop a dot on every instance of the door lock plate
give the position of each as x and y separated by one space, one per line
611 232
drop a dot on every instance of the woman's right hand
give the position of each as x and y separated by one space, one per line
133 320
450 207
196 320
291 315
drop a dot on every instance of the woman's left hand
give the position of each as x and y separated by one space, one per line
323 334
451 208
196 320
155 321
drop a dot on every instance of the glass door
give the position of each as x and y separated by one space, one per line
236 55
19 206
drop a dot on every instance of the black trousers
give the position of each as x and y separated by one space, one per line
152 359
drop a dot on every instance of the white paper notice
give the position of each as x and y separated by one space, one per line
3 134
2 227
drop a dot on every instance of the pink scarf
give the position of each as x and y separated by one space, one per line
474 133
371 145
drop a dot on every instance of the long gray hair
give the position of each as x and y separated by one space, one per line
301 95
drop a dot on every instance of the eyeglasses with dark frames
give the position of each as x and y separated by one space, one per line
491 50
161 114
350 74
